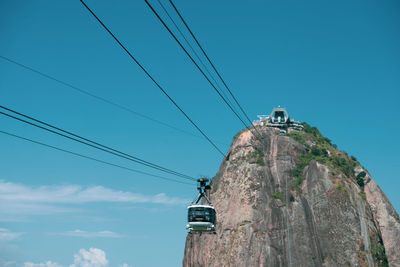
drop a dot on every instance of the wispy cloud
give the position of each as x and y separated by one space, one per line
7 235
86 234
17 199
45 264
77 194
9 263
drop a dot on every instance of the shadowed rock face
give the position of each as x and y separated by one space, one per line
322 224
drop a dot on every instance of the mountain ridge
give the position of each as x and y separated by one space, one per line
295 200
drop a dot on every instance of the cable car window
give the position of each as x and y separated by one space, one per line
201 214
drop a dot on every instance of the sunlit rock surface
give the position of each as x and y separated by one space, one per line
264 220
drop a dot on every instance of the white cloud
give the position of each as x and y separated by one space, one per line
94 257
80 233
46 264
16 199
9 263
77 194
7 235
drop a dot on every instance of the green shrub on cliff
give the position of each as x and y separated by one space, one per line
321 149
297 183
257 156
378 252
304 160
298 137
360 179
344 164
278 195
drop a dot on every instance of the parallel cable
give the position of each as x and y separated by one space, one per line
98 97
193 50
94 144
85 139
211 63
195 63
154 81
93 159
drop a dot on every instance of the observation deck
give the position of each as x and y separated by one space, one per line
279 118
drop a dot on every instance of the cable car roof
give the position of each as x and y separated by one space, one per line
200 206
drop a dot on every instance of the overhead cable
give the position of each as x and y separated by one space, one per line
98 97
194 51
93 159
154 81
195 63
90 143
209 60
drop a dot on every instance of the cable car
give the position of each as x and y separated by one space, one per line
201 217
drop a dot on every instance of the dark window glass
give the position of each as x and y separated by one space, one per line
201 214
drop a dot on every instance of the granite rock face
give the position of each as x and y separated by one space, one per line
263 220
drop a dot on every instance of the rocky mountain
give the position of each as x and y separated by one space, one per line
295 200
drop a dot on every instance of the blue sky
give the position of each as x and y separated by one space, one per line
332 64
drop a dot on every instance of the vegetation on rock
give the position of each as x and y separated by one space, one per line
321 149
378 252
257 156
330 221
278 195
360 179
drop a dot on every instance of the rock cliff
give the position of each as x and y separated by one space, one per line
295 200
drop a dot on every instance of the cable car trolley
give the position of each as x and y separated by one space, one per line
201 217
